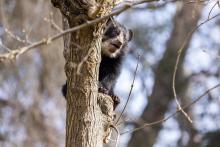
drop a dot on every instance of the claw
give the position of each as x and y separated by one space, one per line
103 90
116 100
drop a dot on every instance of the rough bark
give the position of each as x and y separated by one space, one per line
158 103
85 124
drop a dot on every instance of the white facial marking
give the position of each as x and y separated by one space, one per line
107 46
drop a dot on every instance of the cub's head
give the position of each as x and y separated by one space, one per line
115 39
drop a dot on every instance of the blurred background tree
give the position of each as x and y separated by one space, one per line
32 109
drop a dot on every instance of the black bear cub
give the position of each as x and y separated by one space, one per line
113 49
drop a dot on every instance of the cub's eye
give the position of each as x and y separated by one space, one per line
111 32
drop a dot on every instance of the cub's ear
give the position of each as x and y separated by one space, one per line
108 23
130 35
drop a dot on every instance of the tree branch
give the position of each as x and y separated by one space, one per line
173 114
46 41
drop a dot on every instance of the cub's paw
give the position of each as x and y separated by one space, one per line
116 100
103 90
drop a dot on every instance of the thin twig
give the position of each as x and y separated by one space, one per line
52 23
5 47
16 37
118 134
199 1
129 95
122 122
174 113
28 32
177 62
212 9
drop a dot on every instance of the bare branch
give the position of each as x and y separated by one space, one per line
52 23
177 62
118 134
173 114
129 95
212 9
15 53
5 47
16 37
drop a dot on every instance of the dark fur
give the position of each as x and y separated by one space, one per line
109 71
110 67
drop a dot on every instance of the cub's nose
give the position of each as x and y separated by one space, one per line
117 44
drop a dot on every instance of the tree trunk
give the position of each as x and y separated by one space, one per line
85 126
158 102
